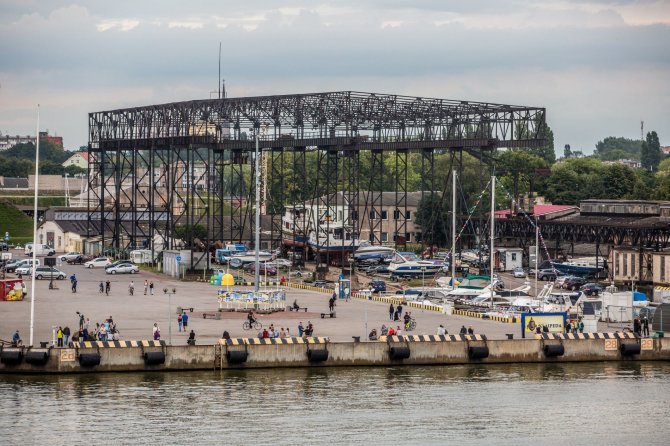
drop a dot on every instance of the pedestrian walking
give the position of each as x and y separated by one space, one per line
131 288
463 330
146 287
391 311
179 322
399 309
470 330
184 320
102 287
108 287
637 327
151 288
301 329
59 337
157 332
81 321
66 336
331 304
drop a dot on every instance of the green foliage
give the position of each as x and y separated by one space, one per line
650 155
615 148
430 215
190 232
48 152
18 224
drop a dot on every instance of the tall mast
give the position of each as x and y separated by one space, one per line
493 215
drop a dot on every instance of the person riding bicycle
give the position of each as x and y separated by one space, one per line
251 318
408 320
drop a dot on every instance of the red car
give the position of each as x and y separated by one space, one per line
270 270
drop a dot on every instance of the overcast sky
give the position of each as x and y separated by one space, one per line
599 67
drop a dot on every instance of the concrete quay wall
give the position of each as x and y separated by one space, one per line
269 355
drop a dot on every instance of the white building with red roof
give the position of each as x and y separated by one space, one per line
79 159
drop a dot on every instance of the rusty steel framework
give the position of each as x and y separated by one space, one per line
153 169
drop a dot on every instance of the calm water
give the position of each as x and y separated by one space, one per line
594 404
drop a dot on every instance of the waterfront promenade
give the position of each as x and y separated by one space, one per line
135 315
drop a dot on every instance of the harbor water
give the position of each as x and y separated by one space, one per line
545 404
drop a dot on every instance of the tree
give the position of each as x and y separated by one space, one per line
567 153
431 215
650 155
615 148
187 233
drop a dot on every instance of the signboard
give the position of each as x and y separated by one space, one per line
178 259
611 344
647 344
67 355
555 322
6 256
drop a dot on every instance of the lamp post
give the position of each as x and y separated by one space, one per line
169 293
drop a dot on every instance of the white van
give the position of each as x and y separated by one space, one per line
27 263
42 249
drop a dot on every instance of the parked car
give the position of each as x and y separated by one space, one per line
122 268
377 286
574 283
560 282
280 263
22 266
48 272
99 262
3 246
546 274
80 259
119 262
519 272
70 255
269 270
591 289
11 265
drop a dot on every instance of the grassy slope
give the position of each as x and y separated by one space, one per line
19 226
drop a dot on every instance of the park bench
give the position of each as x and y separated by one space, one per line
331 314
297 309
216 315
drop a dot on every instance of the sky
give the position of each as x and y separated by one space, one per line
599 67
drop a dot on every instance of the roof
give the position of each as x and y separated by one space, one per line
542 210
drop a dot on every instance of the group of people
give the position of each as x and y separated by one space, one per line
272 333
570 327
182 321
641 327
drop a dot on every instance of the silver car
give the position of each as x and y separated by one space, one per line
123 268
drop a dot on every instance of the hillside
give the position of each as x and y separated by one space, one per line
19 226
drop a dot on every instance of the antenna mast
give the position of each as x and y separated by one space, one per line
219 70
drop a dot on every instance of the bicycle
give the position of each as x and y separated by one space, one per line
411 325
255 325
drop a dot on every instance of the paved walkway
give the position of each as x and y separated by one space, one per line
135 315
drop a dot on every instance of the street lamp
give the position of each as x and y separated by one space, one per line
169 293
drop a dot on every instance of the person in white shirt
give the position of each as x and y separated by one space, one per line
441 331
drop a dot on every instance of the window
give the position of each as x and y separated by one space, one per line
662 268
408 215
354 215
339 215
514 257
616 264
373 215
385 215
396 215
417 237
632 265
371 237
625 265
408 237
59 241
385 236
